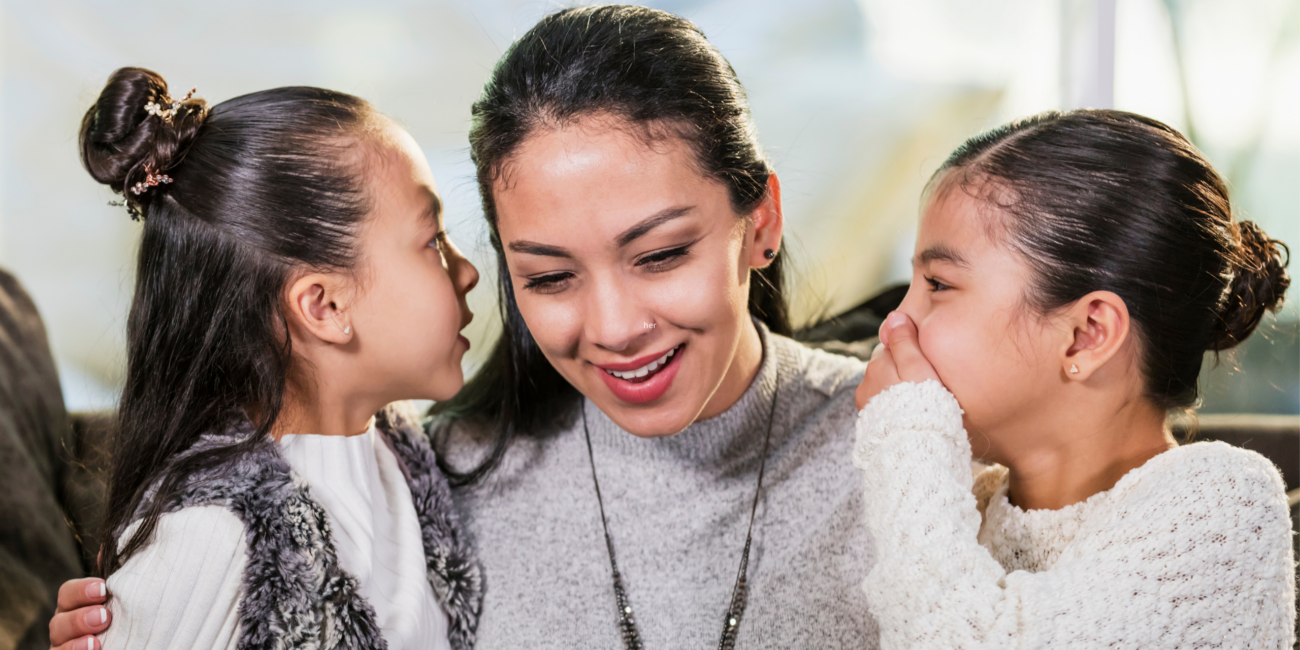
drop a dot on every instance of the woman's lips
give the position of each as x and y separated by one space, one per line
649 389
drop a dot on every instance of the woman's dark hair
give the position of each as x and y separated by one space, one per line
261 185
1099 200
656 72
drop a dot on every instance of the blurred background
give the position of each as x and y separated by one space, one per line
857 102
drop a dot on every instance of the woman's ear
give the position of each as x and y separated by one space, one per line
768 224
318 308
1099 326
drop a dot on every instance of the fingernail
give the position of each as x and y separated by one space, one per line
96 590
90 643
97 616
895 319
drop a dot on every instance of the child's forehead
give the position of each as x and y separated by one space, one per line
957 220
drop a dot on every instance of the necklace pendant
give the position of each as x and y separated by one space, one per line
731 624
626 622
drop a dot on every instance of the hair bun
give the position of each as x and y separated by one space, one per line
1259 283
122 141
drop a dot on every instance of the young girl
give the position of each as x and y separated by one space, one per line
293 280
1071 270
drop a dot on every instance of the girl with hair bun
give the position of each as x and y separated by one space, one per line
293 283
1071 271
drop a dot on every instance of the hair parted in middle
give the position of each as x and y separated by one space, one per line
657 72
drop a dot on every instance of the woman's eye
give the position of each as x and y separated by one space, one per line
547 284
936 285
665 259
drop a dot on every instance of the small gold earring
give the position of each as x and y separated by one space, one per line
1074 370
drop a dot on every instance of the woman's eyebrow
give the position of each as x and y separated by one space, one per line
942 253
534 248
650 223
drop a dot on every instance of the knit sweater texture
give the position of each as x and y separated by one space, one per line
1190 550
678 507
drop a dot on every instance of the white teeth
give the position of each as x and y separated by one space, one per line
646 369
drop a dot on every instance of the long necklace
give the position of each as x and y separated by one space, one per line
731 621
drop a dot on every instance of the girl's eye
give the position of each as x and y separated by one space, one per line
936 285
664 260
549 283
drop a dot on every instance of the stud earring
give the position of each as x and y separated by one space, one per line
769 254
1074 370
347 330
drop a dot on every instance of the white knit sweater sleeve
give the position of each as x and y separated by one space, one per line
1195 554
183 589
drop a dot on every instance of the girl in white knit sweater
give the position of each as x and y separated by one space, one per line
1070 272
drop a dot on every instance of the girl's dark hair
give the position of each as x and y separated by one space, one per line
1099 200
261 185
658 73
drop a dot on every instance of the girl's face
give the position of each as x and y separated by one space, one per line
410 305
631 270
997 356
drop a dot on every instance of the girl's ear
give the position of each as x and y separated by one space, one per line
318 308
1099 325
768 223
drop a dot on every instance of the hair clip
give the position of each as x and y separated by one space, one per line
150 180
156 107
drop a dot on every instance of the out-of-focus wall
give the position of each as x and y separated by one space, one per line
856 103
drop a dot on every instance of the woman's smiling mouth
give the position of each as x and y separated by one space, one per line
642 380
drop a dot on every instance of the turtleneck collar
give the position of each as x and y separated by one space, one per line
734 435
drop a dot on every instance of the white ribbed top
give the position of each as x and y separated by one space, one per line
358 482
183 590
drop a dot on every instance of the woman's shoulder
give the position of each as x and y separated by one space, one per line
824 372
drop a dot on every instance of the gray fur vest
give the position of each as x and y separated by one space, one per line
295 593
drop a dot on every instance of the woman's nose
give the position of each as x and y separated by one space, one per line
614 321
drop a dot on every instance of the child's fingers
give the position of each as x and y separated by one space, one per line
905 348
79 593
72 626
877 351
880 374
84 643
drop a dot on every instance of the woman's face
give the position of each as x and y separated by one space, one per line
967 298
631 270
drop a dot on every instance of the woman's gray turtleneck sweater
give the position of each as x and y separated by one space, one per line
678 508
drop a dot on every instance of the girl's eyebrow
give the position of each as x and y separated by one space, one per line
941 253
433 210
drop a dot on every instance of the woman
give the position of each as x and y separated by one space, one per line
643 405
